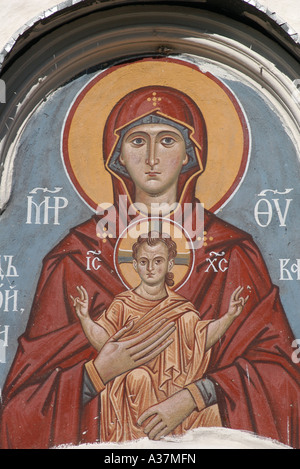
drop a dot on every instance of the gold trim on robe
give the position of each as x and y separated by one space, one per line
183 362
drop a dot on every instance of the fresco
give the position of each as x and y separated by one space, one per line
149 270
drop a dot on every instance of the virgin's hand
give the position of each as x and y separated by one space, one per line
118 357
167 415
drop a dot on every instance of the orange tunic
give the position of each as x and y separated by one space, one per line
182 363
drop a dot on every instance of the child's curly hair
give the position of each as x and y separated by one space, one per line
153 238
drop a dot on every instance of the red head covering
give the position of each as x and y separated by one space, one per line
156 104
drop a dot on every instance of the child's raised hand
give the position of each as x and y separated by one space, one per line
237 303
81 303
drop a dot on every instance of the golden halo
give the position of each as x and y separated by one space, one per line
184 261
228 136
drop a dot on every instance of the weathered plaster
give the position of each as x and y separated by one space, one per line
19 16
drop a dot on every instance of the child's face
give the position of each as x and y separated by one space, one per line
152 263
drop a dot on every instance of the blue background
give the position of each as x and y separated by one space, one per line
273 165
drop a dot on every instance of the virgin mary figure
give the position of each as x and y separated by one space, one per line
155 148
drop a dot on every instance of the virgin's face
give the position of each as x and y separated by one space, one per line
152 263
153 155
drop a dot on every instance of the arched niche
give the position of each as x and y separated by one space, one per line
58 55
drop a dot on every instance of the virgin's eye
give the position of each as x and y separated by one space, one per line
167 141
138 141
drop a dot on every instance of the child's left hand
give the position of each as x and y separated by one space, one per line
237 303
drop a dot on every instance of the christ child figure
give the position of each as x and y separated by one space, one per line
184 361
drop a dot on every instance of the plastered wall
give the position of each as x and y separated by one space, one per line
16 13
